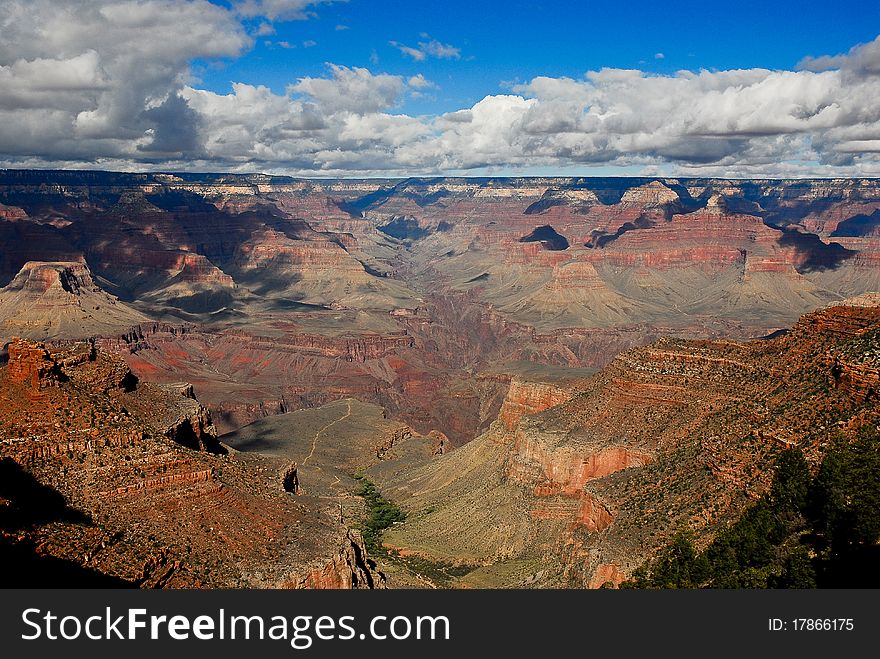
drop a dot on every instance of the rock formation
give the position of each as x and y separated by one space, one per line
31 364
290 479
142 504
60 299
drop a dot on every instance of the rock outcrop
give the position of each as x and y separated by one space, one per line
348 569
30 363
290 479
525 398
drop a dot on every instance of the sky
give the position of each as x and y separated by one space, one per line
390 88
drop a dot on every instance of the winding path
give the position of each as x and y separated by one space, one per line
325 429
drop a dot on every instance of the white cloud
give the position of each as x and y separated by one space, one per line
91 73
862 58
432 48
419 81
108 81
415 53
659 56
309 43
278 10
441 50
52 83
353 89
264 29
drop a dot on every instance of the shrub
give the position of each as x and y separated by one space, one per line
381 514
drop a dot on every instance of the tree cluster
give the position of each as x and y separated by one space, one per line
806 532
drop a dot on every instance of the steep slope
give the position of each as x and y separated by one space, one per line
316 269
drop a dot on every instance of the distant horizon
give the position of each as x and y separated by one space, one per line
660 177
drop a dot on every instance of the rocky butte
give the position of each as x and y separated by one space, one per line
548 375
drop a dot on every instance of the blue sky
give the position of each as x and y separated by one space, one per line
516 40
391 88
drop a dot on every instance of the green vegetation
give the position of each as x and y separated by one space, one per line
807 532
439 573
381 513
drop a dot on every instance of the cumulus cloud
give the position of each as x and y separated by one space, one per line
175 129
708 121
324 125
52 83
82 79
108 82
862 58
353 89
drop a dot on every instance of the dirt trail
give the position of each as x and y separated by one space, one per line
325 429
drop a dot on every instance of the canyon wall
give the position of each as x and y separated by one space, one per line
677 434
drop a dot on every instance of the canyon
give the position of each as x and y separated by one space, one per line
549 375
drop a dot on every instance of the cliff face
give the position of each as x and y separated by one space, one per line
189 424
350 568
149 496
565 470
30 364
855 367
861 380
524 398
